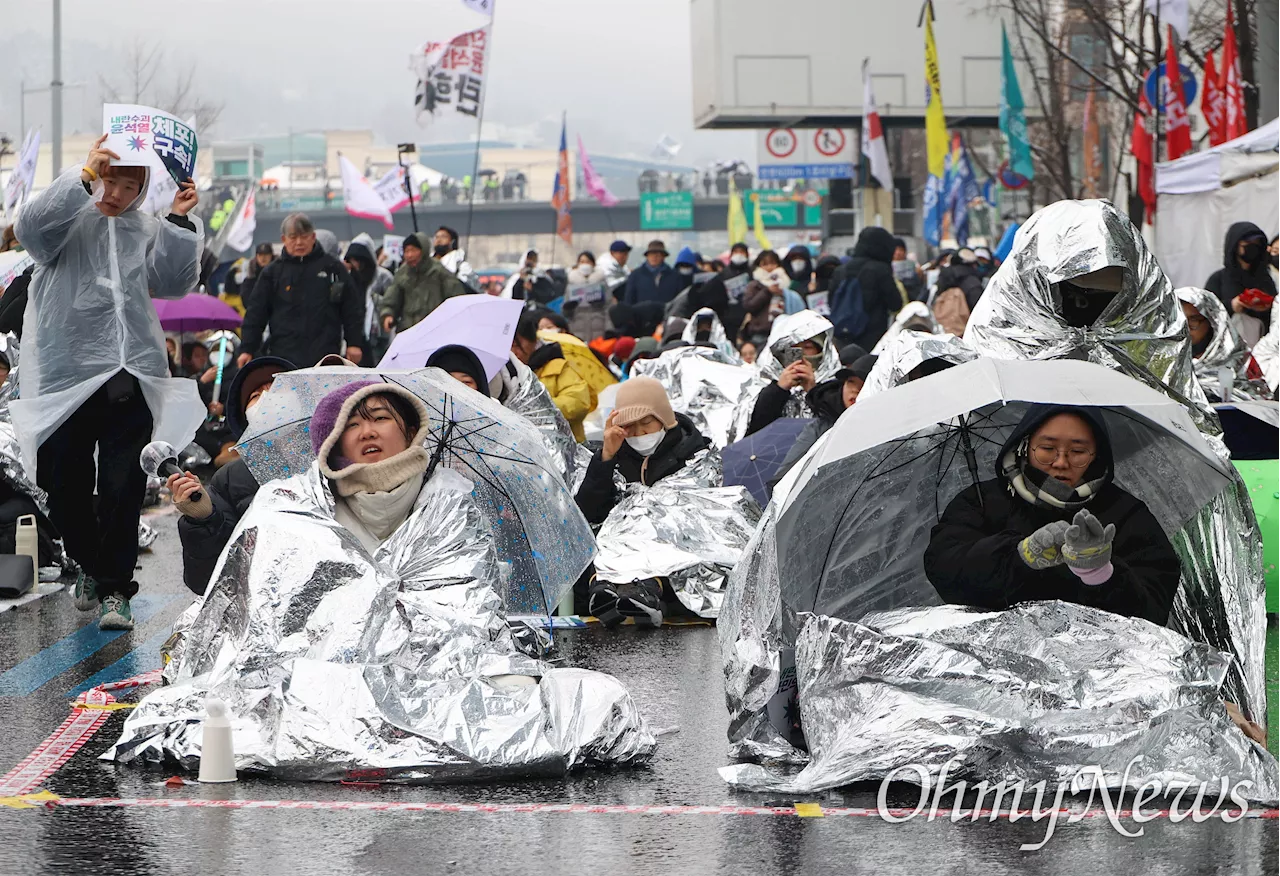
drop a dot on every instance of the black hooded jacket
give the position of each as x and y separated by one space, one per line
231 490
872 265
310 304
597 495
972 558
1230 280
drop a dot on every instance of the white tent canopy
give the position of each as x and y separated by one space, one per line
1202 194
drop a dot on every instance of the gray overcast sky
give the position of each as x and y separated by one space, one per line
620 68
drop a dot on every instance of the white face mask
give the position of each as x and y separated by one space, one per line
737 259
646 444
797 265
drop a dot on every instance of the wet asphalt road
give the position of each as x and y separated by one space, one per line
673 673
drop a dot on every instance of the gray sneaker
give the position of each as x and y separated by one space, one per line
116 614
86 592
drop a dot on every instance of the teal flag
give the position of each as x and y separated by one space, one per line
1013 120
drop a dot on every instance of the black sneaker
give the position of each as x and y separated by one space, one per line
642 602
602 602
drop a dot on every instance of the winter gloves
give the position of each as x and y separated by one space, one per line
1088 544
1042 549
1084 545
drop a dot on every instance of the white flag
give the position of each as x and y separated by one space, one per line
240 237
391 190
484 7
359 196
24 172
1174 12
873 145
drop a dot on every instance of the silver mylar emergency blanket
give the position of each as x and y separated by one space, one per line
909 350
395 667
1041 691
530 399
704 384
915 313
1225 360
1143 334
787 332
685 527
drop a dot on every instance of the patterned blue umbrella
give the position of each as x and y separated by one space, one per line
753 461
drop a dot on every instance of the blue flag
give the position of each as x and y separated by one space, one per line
933 210
1013 118
961 190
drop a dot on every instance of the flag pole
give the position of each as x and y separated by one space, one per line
475 161
555 230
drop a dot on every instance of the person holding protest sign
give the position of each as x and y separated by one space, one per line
95 381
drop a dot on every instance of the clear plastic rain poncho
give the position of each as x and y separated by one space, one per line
1267 351
716 337
395 666
908 351
703 384
914 316
89 313
1221 368
1141 333
788 331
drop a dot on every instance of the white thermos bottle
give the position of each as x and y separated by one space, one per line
27 543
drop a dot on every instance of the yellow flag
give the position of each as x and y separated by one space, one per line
758 222
935 120
737 216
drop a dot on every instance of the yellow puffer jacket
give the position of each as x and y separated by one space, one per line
569 392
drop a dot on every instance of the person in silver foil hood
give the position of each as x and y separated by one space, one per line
1222 361
1081 284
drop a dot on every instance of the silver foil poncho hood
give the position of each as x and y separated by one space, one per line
1221 368
909 350
789 330
1141 333
397 665
716 337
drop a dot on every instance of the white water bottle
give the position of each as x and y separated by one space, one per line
217 755
27 543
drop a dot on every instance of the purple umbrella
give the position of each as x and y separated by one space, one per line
482 323
196 312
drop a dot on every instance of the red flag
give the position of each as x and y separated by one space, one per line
1177 125
1141 148
1233 124
1212 104
560 193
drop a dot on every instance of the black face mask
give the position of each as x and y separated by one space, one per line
1252 254
440 251
1275 260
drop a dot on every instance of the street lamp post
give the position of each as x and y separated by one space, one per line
402 150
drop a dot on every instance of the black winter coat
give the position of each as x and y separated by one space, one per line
597 495
972 558
1230 280
311 306
715 294
231 489
872 264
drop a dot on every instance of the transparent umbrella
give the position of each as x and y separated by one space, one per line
538 530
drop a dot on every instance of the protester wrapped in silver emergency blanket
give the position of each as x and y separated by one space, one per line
908 351
787 333
397 666
704 328
887 473
915 316
686 528
1223 360
1081 284
703 383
